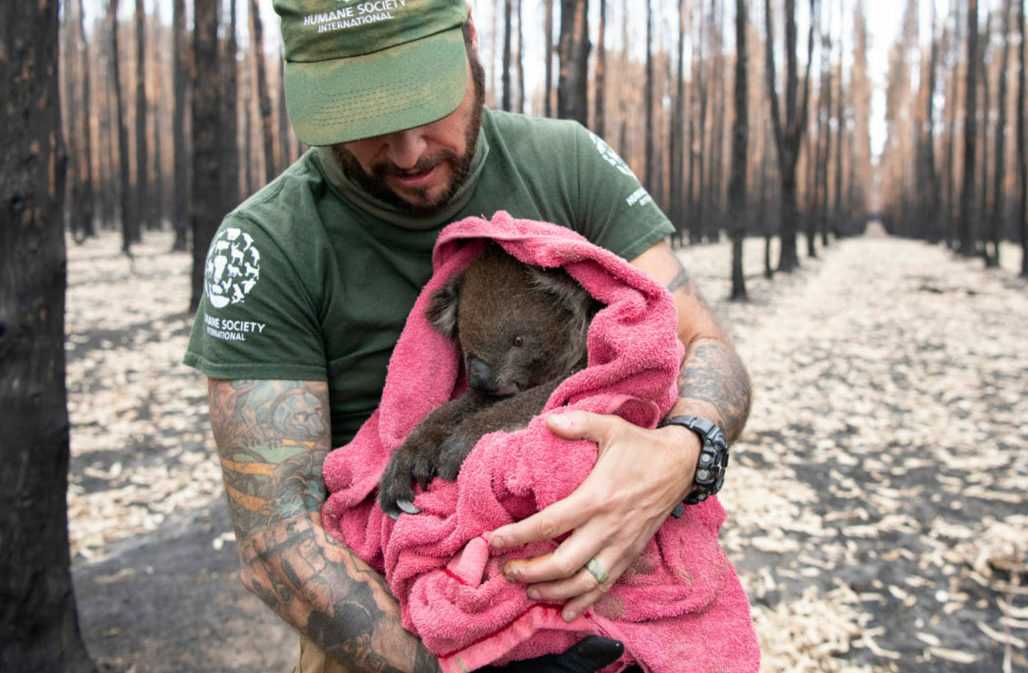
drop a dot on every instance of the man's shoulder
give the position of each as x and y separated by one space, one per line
286 204
543 134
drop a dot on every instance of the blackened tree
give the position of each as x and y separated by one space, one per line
39 629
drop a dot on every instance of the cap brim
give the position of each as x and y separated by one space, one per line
398 88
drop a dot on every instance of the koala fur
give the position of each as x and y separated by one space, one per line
521 330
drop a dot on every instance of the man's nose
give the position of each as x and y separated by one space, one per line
405 148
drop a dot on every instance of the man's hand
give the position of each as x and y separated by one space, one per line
640 476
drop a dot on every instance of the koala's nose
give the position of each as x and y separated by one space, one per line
480 375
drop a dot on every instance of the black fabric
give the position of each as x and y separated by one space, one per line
587 656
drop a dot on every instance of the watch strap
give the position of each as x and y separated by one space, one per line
710 464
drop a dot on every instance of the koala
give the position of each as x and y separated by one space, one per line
521 331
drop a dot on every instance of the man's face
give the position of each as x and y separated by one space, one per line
420 169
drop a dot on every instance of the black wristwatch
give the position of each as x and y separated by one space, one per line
711 464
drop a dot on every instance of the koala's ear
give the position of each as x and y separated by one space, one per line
442 310
567 292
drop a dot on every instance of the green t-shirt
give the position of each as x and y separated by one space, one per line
312 279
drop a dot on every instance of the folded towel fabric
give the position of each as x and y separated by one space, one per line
679 609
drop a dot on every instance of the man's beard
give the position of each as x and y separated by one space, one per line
460 166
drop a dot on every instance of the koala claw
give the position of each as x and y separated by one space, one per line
395 486
407 507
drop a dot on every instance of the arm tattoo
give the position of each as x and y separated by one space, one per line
272 439
713 378
681 278
714 374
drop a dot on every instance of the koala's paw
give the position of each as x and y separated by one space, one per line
396 486
416 461
454 450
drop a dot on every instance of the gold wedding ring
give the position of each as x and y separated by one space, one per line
597 570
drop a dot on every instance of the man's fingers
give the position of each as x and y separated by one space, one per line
581 425
580 583
557 519
579 605
564 562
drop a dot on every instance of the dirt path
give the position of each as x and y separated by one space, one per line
886 459
885 462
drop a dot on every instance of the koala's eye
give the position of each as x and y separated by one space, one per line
519 341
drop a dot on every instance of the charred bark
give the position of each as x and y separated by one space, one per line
600 104
967 192
999 148
39 630
740 139
521 59
86 194
788 132
144 209
180 199
206 206
677 129
263 98
573 80
230 114
548 51
505 98
648 175
1022 156
129 223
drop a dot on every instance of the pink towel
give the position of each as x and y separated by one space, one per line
680 608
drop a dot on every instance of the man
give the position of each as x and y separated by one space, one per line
309 283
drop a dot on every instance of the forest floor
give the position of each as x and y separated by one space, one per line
877 500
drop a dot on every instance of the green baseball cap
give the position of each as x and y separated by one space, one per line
361 68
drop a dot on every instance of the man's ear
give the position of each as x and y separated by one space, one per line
442 310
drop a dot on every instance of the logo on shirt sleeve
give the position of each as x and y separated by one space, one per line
640 196
233 267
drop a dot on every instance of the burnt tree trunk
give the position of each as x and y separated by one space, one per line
144 209
39 630
951 133
86 196
548 52
1022 156
521 59
982 210
180 199
702 82
129 223
715 166
930 201
650 170
263 99
205 210
967 195
788 132
740 136
999 148
600 104
840 128
505 97
677 128
573 80
230 115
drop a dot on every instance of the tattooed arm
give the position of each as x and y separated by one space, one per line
272 438
713 382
